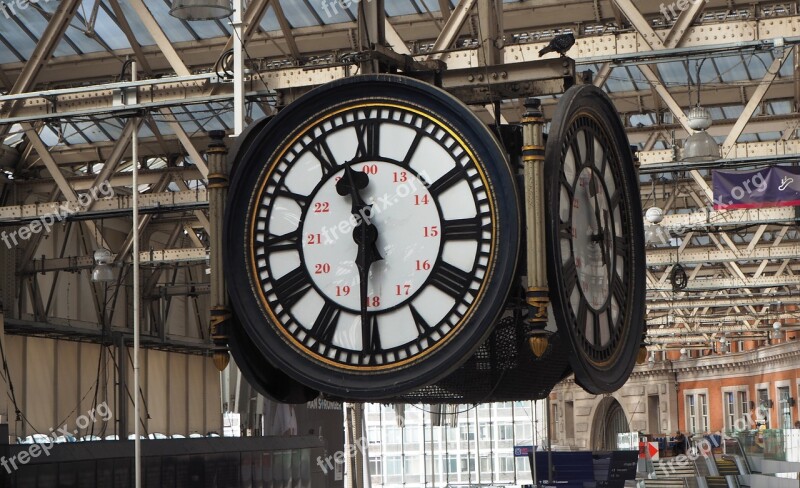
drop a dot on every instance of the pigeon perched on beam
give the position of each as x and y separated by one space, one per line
559 44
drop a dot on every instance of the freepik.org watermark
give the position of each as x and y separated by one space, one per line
326 463
673 10
755 184
704 447
331 7
10 8
45 222
13 463
345 226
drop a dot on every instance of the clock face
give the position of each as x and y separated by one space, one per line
373 238
433 222
595 241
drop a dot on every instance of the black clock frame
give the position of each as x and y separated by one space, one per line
265 141
598 370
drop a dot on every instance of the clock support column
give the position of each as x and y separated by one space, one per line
536 294
371 31
217 194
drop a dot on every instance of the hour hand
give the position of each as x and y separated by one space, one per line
351 184
366 236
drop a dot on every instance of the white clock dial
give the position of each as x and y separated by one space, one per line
431 214
409 238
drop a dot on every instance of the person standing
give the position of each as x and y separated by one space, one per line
680 443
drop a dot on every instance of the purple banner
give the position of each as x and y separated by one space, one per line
776 186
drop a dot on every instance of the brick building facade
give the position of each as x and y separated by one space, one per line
701 394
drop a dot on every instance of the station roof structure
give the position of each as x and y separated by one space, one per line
62 71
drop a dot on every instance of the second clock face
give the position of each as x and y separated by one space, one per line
425 201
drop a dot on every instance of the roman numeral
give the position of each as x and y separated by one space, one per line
446 181
291 287
580 317
302 200
371 338
570 274
565 230
423 328
614 200
612 324
285 242
412 149
569 185
596 324
320 149
451 280
620 246
324 327
576 152
589 141
618 289
369 140
462 229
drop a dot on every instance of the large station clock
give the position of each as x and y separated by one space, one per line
595 241
372 233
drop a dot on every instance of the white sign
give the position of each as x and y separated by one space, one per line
231 425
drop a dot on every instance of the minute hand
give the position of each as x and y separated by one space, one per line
365 235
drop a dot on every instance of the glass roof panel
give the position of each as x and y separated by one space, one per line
33 21
635 74
400 7
298 14
206 117
673 72
769 136
173 28
642 120
72 136
716 113
329 11
48 136
144 131
7 55
88 130
256 112
113 127
780 107
76 32
619 80
209 29
751 137
108 30
163 127
731 68
429 5
786 69
708 73
757 64
269 22
139 30
732 111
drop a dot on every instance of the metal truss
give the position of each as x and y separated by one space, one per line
739 262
